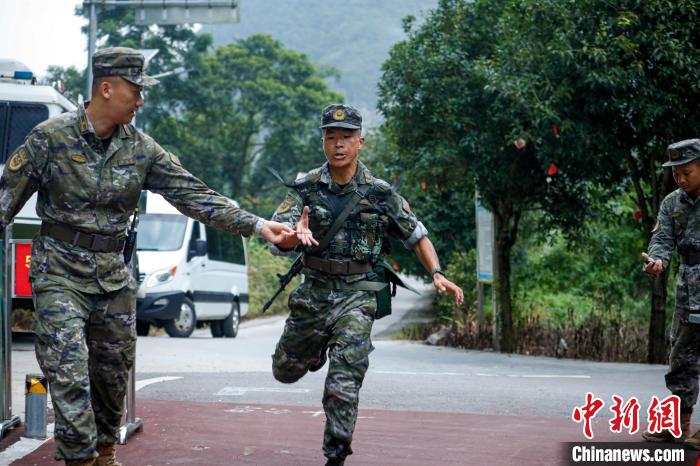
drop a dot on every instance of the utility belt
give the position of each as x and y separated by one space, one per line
90 241
335 267
690 258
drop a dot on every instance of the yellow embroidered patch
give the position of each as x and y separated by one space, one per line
78 158
125 162
339 115
83 124
285 206
18 159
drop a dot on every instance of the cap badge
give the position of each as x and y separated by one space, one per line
339 115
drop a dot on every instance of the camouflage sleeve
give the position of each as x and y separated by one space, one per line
404 224
22 175
288 212
663 241
193 198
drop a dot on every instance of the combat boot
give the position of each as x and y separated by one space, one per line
666 435
108 455
88 462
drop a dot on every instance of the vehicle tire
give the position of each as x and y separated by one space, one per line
184 325
142 328
217 330
231 323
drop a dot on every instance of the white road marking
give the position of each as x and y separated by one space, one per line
25 445
239 391
483 374
417 373
143 383
313 413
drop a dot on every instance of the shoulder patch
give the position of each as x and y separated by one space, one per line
406 207
18 159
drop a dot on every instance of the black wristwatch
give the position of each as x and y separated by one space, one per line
437 270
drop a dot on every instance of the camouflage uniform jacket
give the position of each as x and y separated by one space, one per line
381 213
85 187
678 227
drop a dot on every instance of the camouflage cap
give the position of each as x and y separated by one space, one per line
341 116
121 61
680 153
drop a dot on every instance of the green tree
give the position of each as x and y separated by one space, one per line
456 95
636 60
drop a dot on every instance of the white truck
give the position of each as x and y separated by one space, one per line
190 274
23 105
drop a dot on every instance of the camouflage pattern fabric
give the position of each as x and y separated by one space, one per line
340 321
381 213
85 300
80 334
95 192
121 61
322 317
678 227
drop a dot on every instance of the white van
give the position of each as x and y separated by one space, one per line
190 273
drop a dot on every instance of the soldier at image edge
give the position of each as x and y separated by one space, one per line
678 228
333 310
89 168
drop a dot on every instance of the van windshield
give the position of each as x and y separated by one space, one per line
161 232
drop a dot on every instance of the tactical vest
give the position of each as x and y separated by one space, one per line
361 237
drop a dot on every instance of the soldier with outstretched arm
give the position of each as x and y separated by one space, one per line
333 310
89 168
678 228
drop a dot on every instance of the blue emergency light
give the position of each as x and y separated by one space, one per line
23 75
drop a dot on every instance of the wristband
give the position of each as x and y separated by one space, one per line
437 270
259 225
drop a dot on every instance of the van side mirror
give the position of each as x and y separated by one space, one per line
199 249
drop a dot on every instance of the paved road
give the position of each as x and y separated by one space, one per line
211 400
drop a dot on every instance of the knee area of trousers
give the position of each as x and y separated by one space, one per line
286 369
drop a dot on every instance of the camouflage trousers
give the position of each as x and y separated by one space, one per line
85 345
340 321
684 368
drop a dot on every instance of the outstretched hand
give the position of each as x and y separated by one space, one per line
275 232
302 230
652 266
442 284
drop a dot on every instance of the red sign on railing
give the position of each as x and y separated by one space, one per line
23 253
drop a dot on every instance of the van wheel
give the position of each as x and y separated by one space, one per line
184 325
216 327
142 327
231 323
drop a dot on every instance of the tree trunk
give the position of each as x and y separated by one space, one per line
656 353
505 228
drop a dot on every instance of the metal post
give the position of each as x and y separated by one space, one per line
480 304
92 37
8 420
133 424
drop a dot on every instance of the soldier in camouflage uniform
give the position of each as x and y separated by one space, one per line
334 308
89 167
678 227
